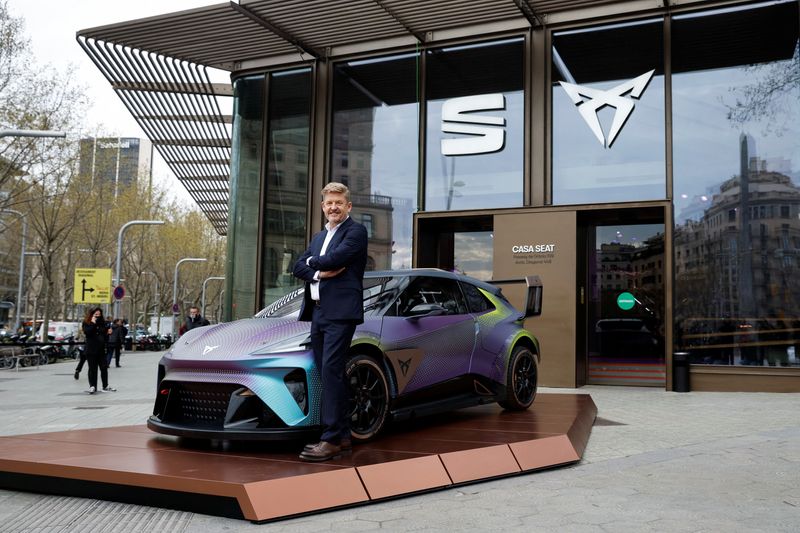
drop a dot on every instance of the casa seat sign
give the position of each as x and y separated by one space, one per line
92 286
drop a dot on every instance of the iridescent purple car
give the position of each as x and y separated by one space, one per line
431 341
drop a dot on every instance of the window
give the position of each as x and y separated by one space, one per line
288 121
367 219
736 143
375 120
468 165
428 290
602 153
246 164
478 303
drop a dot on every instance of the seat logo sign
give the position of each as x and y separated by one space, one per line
485 134
590 101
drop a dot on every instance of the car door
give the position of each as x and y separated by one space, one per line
426 350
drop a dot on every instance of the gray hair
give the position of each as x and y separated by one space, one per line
336 188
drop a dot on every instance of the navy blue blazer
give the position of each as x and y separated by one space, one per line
341 297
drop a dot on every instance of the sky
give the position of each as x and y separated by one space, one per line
51 26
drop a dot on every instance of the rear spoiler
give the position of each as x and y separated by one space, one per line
533 296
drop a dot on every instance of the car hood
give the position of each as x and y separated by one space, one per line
233 340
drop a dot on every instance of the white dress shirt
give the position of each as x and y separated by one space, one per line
328 237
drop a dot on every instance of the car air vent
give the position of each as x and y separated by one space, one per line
199 404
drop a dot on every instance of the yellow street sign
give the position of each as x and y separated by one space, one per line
92 286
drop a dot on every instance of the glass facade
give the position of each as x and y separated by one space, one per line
474 154
375 151
736 111
244 209
268 194
608 114
443 128
285 206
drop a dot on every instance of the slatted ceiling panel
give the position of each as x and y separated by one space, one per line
445 14
212 36
554 6
324 23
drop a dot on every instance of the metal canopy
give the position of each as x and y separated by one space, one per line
158 65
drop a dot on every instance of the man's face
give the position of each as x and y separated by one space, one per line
336 208
193 312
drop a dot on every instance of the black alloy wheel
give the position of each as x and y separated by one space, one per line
521 380
368 404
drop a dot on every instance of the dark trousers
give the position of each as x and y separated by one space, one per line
96 360
81 361
114 351
330 340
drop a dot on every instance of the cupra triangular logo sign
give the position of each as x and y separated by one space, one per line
590 101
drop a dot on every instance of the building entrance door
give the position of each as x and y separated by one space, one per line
623 296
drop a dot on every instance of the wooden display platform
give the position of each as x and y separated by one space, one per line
267 481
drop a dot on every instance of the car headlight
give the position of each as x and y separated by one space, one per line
300 343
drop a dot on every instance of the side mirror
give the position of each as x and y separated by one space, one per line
423 310
533 299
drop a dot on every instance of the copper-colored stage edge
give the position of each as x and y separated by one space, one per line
267 481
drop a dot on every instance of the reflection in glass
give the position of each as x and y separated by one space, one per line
626 305
286 181
736 143
473 253
374 151
246 161
608 116
481 180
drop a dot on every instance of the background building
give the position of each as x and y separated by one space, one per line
121 161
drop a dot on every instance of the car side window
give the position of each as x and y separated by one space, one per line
478 303
430 290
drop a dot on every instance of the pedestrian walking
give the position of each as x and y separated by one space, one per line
96 332
116 337
193 320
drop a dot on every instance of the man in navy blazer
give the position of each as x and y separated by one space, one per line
333 270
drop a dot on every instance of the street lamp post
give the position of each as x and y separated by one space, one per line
203 298
21 266
175 289
119 252
156 306
32 133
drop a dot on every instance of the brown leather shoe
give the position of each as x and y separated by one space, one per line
346 445
323 451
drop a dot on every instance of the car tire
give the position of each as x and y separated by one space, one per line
521 380
368 397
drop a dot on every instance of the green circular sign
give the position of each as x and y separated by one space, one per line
626 301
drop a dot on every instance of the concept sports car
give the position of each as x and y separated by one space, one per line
431 340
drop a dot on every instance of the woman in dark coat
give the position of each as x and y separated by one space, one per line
94 329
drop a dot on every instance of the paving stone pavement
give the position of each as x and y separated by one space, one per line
656 461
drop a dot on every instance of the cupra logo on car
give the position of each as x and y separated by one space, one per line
613 97
483 134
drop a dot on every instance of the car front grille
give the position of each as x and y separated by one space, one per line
213 406
199 404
